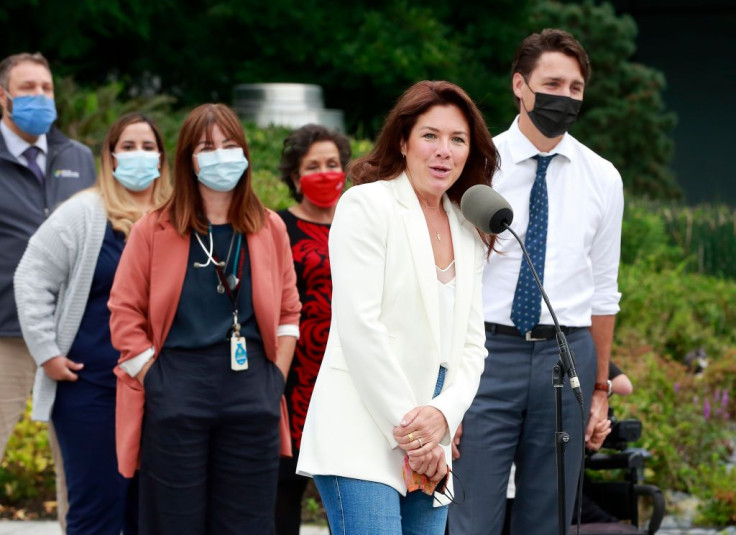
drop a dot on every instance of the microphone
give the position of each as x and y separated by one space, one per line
492 214
486 209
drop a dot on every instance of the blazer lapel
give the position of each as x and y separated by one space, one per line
421 252
464 250
169 256
262 253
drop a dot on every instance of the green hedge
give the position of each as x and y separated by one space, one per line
674 312
701 238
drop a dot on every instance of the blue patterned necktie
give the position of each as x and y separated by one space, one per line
31 153
527 305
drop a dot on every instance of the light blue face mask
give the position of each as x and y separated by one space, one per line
137 169
221 169
33 114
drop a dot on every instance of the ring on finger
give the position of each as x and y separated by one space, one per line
410 436
420 442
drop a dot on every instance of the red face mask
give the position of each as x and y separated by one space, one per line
323 189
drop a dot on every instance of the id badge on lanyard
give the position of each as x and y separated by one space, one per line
231 286
238 351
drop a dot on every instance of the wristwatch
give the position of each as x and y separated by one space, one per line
606 387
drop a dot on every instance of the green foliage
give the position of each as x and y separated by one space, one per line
87 114
265 149
674 312
706 233
688 428
27 471
624 117
363 55
645 238
718 507
699 239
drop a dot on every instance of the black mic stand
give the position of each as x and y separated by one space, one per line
566 364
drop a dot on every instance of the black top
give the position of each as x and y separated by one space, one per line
92 345
204 316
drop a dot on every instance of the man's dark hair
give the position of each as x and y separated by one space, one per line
548 40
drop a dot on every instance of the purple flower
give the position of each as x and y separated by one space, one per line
717 395
677 388
724 399
706 409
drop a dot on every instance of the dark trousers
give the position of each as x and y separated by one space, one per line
101 501
289 497
512 419
210 444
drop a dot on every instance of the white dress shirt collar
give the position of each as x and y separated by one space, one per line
522 149
17 145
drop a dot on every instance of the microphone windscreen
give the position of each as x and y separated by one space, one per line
486 209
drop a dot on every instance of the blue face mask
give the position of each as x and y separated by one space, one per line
221 169
137 169
33 114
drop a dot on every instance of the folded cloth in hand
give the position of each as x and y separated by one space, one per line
421 482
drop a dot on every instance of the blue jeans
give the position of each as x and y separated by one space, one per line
359 507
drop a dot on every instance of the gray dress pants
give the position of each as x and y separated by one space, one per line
512 419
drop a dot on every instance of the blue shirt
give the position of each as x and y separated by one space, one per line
92 345
204 316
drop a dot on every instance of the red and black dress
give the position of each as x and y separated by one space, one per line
314 281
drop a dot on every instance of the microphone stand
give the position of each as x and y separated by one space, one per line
566 364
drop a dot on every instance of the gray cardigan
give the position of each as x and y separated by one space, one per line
52 285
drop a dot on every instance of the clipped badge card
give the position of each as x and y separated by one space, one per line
238 354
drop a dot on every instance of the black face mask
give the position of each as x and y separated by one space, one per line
553 115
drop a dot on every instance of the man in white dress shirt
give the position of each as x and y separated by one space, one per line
568 206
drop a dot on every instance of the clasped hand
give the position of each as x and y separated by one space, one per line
419 435
62 369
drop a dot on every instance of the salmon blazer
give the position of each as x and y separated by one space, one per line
145 296
383 353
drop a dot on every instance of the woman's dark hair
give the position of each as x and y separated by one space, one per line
385 161
298 143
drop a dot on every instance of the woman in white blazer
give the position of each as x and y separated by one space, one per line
406 345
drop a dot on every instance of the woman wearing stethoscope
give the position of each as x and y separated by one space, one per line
205 314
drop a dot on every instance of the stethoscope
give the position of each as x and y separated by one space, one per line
232 279
208 252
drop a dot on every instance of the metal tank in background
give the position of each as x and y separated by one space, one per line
282 104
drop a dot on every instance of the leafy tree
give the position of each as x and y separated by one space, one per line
624 117
363 55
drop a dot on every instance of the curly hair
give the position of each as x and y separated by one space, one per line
296 146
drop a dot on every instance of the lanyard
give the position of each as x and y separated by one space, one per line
231 283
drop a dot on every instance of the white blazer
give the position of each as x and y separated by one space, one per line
383 352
